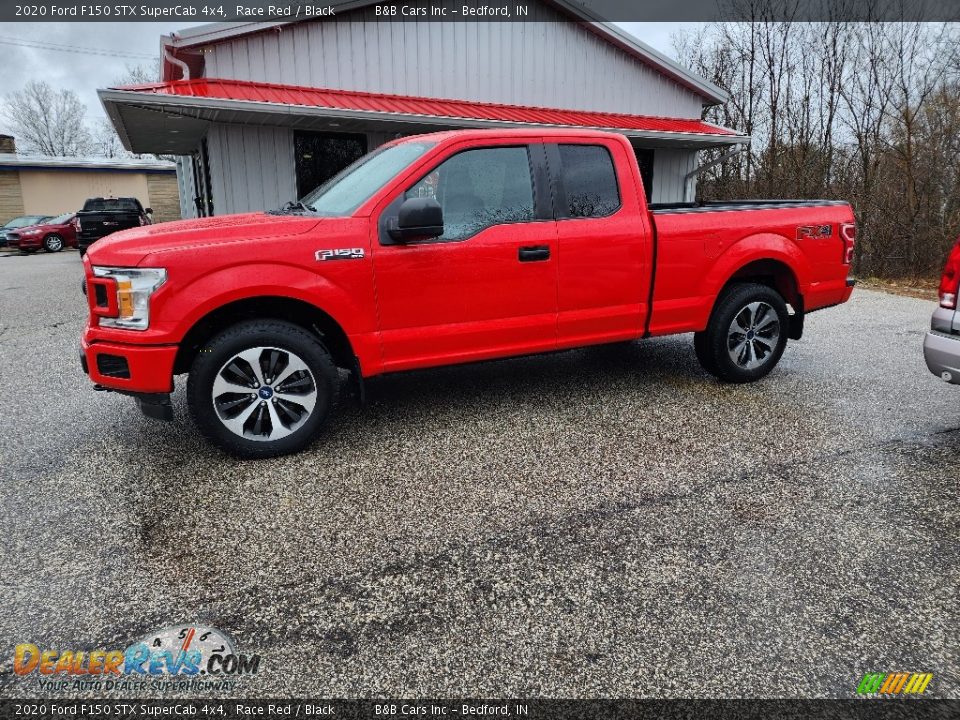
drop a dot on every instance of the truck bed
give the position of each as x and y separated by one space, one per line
739 205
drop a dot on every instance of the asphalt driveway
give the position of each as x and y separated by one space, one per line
606 522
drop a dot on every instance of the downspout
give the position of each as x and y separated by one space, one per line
692 175
176 61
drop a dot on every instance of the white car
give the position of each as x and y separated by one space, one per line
941 348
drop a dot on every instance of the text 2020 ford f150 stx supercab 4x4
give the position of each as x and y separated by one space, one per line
440 249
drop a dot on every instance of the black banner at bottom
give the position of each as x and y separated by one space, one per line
858 709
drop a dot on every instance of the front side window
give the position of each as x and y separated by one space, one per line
590 181
480 188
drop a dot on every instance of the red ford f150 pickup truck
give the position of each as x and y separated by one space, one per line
439 249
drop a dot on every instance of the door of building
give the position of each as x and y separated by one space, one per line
320 156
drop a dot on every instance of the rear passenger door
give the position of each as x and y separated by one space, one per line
603 241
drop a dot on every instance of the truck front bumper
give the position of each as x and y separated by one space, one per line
143 371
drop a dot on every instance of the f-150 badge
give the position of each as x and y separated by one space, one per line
339 254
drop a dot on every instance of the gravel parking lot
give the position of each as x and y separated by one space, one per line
608 522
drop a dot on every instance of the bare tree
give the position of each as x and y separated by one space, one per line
864 111
105 141
47 121
138 75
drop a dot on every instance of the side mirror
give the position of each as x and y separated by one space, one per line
418 219
148 211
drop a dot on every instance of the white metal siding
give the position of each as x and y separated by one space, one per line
670 167
551 64
188 208
251 167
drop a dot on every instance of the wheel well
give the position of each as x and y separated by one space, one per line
773 274
307 316
778 276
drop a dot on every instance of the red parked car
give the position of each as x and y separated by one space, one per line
53 235
439 249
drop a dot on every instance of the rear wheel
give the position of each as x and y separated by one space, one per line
262 388
747 334
53 243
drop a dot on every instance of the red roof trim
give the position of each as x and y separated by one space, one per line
292 95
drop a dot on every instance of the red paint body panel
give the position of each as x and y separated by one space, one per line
151 366
418 305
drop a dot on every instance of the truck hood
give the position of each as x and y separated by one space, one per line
128 248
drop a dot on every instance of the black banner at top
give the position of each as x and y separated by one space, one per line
481 10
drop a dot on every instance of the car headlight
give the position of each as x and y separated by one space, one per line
133 288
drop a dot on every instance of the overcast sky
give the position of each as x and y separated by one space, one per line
84 73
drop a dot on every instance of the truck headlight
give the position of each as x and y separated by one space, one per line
132 288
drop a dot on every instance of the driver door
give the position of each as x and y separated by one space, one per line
488 286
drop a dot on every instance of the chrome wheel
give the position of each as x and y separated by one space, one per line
264 393
54 243
753 335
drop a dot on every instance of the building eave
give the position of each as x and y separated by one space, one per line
47 162
160 114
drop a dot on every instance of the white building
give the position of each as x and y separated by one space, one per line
263 112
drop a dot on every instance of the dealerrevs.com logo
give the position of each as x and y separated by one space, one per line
179 657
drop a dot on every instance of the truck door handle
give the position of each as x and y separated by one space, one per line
533 253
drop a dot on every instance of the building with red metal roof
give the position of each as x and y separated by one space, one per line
262 112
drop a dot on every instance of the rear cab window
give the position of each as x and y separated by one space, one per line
112 204
588 181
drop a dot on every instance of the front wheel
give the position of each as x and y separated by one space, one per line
746 335
53 243
262 388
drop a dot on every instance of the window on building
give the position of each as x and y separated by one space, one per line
320 156
590 181
645 161
480 188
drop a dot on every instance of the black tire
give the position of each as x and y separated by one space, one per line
264 340
741 357
82 251
53 243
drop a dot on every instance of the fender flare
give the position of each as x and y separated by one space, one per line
754 248
248 281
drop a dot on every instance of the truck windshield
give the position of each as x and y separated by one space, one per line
355 184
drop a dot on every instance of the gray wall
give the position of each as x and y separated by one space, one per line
670 167
251 167
188 191
551 64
